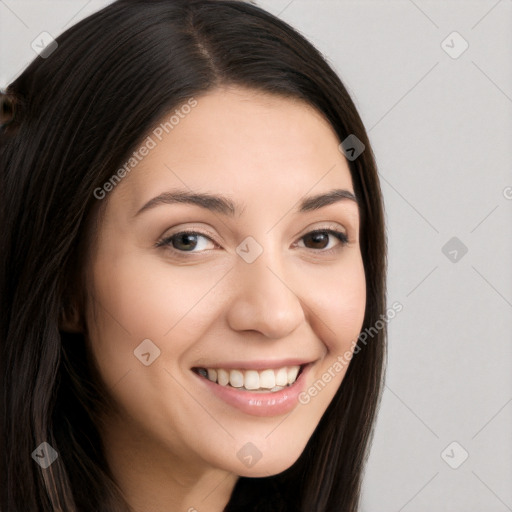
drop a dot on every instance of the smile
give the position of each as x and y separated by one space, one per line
257 390
263 381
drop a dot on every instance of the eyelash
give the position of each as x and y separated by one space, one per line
167 241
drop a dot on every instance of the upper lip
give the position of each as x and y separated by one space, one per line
256 364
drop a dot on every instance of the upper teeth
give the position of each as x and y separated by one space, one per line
252 379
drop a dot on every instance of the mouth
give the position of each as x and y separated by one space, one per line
270 380
259 388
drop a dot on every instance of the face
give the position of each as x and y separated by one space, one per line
223 312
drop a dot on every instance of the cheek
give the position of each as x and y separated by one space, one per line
138 298
339 301
339 314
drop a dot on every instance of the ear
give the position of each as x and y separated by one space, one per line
70 320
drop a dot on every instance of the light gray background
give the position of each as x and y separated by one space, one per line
441 130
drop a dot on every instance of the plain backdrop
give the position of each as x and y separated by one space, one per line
433 83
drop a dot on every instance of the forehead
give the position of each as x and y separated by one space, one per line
242 143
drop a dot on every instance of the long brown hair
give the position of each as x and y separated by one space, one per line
69 122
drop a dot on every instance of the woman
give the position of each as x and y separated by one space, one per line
192 242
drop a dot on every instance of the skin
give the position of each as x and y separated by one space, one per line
171 444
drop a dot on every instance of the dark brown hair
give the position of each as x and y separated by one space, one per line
68 123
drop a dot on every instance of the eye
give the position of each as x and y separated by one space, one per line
320 239
187 241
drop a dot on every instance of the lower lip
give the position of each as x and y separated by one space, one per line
260 404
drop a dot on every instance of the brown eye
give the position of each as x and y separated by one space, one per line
316 240
320 239
187 241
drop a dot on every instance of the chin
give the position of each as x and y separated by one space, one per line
269 464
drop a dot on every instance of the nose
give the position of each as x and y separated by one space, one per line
263 301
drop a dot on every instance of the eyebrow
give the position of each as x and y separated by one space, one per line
222 204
